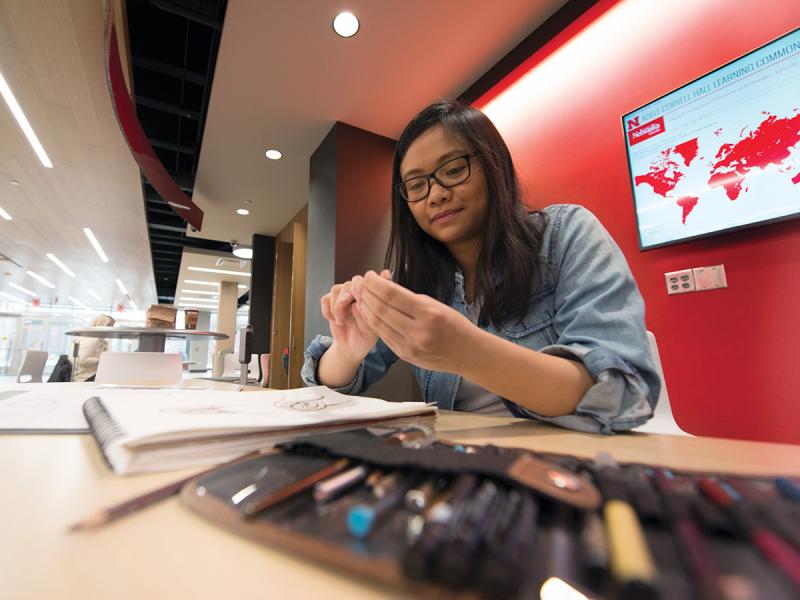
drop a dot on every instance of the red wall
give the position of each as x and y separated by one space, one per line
731 357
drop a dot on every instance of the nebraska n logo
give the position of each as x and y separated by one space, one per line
633 123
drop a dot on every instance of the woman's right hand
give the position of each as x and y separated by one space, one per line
350 334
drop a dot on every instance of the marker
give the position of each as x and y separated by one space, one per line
455 559
419 558
783 556
695 550
330 488
363 518
630 559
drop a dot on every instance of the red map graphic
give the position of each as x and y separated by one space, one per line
770 143
664 173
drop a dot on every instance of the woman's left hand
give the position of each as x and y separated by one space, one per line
417 328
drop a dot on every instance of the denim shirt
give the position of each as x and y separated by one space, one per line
585 307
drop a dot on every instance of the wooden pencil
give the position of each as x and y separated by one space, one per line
111 513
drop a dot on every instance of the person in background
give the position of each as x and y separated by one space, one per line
499 309
89 351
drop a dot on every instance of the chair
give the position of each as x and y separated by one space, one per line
140 368
663 420
231 367
32 367
264 358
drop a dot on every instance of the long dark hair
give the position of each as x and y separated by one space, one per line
511 239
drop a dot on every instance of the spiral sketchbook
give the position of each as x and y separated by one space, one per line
173 429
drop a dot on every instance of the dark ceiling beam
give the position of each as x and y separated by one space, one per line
166 227
167 108
168 69
189 11
160 211
170 146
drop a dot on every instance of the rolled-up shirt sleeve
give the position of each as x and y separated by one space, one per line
599 319
374 366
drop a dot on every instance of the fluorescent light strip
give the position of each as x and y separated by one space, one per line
121 286
133 304
96 244
94 295
78 302
5 215
22 121
14 298
204 300
195 305
24 290
41 279
220 271
63 267
214 283
206 292
198 282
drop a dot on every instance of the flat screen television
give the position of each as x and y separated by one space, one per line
721 152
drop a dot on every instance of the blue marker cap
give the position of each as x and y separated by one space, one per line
360 519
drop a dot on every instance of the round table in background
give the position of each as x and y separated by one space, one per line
151 339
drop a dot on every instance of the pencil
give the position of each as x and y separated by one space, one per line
111 513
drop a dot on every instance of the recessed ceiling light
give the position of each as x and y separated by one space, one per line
23 123
61 265
121 286
14 182
345 24
220 271
41 279
4 214
133 304
242 251
23 290
273 154
96 244
242 211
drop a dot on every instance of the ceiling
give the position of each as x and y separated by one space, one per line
51 55
282 79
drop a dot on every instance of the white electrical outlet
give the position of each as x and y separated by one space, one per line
680 282
710 278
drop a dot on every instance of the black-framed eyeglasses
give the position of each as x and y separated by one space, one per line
448 174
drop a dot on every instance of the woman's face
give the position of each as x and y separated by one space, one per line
454 216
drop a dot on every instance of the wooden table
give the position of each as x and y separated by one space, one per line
167 551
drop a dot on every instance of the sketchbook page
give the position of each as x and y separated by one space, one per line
43 407
166 414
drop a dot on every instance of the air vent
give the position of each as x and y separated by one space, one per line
231 262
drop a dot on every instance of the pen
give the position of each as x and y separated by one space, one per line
110 513
253 506
630 559
456 557
771 509
418 498
768 543
693 545
501 572
594 547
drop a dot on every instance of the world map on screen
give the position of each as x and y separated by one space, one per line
762 149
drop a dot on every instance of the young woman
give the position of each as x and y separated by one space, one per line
498 309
